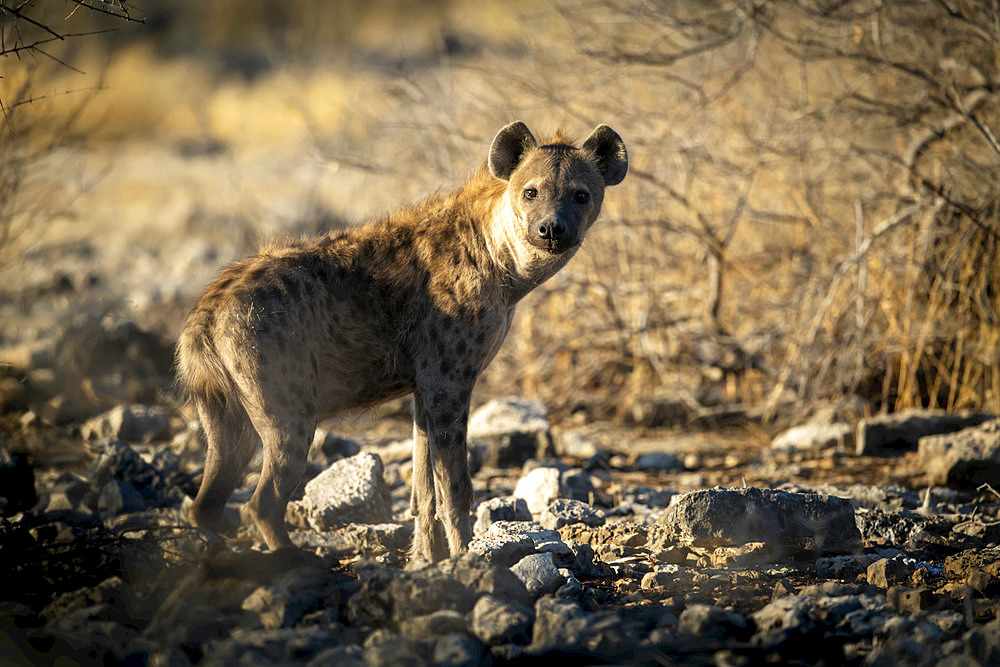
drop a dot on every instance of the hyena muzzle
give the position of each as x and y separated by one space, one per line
417 302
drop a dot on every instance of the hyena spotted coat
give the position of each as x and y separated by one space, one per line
418 302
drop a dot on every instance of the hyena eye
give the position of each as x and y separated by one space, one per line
530 193
582 197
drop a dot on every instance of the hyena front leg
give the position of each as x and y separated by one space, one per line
231 443
447 416
428 537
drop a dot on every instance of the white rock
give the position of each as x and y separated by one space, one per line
351 490
538 488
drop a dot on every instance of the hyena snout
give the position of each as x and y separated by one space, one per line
555 233
551 230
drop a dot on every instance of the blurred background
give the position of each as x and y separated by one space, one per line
811 216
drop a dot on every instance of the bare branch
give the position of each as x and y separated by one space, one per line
28 19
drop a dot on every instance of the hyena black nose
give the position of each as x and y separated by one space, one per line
551 230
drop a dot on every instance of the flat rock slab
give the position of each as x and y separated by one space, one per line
780 519
502 551
901 432
964 459
566 511
899 527
511 431
812 437
351 490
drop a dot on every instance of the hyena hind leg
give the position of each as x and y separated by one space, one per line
286 448
231 443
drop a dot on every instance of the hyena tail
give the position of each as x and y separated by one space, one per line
201 373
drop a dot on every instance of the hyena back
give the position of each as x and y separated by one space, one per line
418 302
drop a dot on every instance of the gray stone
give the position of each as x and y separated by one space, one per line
434 625
572 589
900 527
538 573
578 485
566 511
902 641
965 459
950 621
341 656
886 572
351 490
795 521
457 648
483 578
71 492
89 627
504 508
658 579
900 432
496 621
355 538
911 601
428 592
813 437
502 551
983 642
118 461
711 623
658 461
985 583
117 497
388 648
511 431
386 595
515 529
562 555
786 612
559 623
576 445
292 595
843 567
132 423
587 564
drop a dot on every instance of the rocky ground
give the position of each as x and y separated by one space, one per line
876 544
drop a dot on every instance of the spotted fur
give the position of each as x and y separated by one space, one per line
417 302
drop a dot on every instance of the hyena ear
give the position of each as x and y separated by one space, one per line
509 146
609 151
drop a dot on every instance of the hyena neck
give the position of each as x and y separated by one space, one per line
519 266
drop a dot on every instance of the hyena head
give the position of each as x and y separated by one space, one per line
554 192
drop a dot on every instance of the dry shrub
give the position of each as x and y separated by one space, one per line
810 213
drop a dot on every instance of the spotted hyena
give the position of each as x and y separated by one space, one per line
417 302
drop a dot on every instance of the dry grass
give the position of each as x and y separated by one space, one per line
725 269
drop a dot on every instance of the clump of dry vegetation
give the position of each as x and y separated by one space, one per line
811 215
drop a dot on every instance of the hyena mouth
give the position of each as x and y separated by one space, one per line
553 246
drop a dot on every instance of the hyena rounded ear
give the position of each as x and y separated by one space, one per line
609 151
509 146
